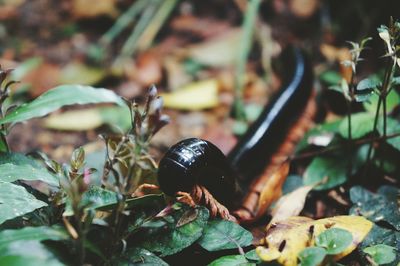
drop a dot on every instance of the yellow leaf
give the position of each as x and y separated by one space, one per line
84 119
195 96
290 237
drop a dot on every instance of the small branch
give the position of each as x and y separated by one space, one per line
337 147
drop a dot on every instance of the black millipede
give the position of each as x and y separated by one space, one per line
195 161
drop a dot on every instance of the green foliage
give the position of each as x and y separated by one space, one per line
16 166
182 228
334 240
381 206
222 234
232 260
362 125
58 97
381 254
28 253
32 233
330 171
16 201
312 256
138 256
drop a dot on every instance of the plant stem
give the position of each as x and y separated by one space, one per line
338 147
382 101
243 54
145 40
123 21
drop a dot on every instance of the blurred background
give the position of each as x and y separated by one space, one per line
203 56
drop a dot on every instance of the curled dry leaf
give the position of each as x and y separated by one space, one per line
291 204
272 189
286 239
194 96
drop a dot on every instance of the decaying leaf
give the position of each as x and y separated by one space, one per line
195 96
272 189
286 239
218 51
75 120
92 8
291 204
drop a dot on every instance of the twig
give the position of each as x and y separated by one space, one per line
243 53
337 147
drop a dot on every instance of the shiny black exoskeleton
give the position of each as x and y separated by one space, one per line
195 161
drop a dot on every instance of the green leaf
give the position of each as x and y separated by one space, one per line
223 234
376 207
16 201
39 233
27 253
392 100
379 235
174 237
138 256
23 69
392 127
58 97
3 145
16 166
252 255
232 260
312 256
368 84
381 254
361 125
331 77
331 171
97 198
334 240
319 130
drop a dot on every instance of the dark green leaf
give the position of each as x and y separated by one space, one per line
292 183
139 256
376 207
361 125
392 100
223 234
58 97
331 171
334 240
252 255
312 256
392 127
319 130
330 77
232 260
3 145
16 166
381 254
39 233
170 240
379 235
27 253
16 201
368 84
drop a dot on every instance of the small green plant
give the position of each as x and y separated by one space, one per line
329 243
76 218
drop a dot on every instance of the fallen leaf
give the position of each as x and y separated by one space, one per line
303 8
286 239
291 204
272 189
76 120
333 54
93 8
78 73
219 51
194 96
